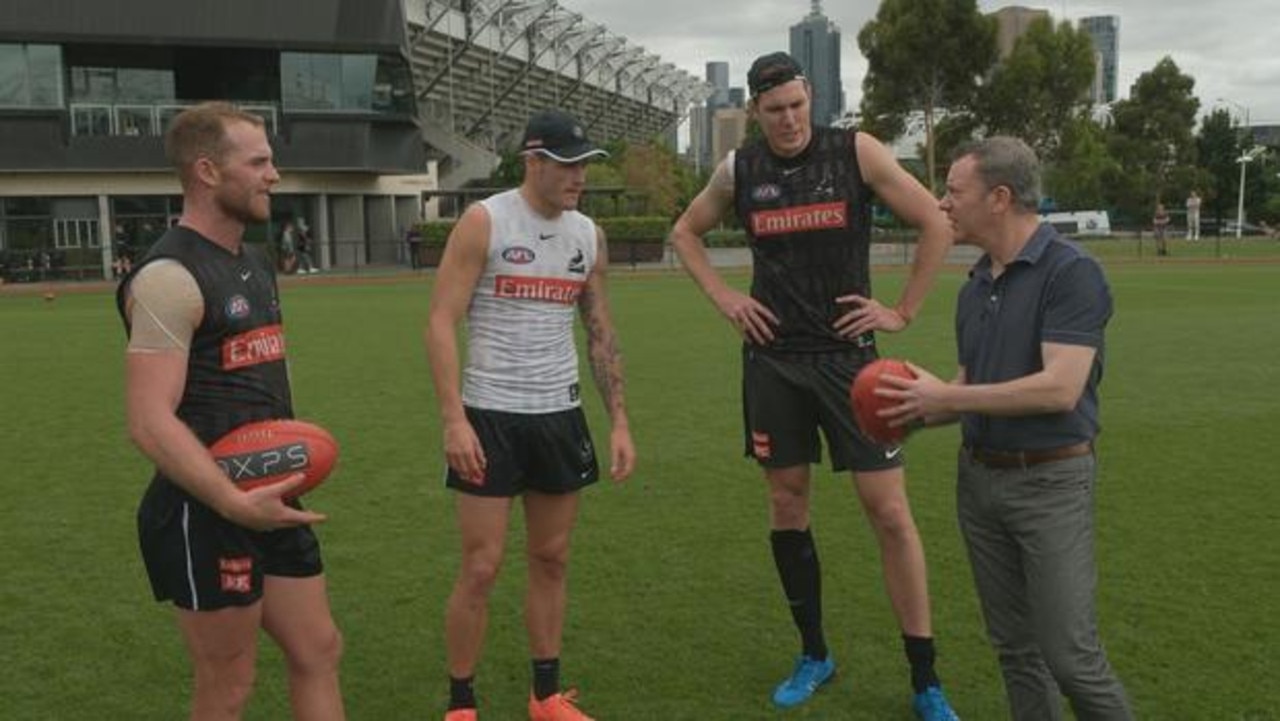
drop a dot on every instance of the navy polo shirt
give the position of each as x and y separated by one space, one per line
1051 293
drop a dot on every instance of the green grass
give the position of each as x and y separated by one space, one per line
675 611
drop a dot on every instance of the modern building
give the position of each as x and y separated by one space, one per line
718 87
815 44
370 105
87 89
1105 32
728 130
1011 23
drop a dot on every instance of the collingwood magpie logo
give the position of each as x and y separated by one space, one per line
577 264
766 192
825 188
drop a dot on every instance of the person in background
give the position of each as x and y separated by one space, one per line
1160 228
1193 216
413 240
303 241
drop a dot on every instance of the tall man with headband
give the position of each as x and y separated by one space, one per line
804 194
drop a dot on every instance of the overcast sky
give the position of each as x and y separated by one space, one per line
1230 47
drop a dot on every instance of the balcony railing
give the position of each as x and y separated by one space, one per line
101 119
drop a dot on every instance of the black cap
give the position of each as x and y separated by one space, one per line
558 136
770 71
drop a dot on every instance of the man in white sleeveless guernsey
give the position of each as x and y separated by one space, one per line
516 266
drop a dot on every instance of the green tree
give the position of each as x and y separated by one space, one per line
652 170
1041 90
1076 180
1151 139
1218 146
925 56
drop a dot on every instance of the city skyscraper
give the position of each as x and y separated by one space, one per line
815 44
1105 31
718 79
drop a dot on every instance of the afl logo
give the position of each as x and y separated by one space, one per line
768 191
237 306
518 254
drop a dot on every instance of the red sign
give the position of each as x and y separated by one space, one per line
553 290
260 345
799 219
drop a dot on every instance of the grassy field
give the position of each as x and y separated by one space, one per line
675 608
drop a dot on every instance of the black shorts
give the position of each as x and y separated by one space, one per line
543 452
202 562
785 400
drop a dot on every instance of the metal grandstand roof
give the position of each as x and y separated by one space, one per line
481 67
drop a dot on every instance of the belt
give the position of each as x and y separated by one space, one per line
1022 459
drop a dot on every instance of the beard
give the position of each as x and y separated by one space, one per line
247 209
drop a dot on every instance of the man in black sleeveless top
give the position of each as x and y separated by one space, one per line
804 197
206 354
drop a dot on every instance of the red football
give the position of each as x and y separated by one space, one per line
866 402
265 452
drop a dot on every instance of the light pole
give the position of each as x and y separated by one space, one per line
1243 160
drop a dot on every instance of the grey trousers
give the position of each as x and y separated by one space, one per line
1029 533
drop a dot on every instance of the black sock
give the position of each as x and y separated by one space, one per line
920 653
797 560
546 677
461 693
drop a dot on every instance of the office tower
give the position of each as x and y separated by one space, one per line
1105 32
815 43
718 79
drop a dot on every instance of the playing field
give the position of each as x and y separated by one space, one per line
675 610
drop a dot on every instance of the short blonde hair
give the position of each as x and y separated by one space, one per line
201 131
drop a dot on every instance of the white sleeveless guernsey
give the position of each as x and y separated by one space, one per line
521 355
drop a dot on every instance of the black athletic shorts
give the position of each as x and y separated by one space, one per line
786 399
543 452
202 562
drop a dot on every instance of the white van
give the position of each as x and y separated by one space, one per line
1079 222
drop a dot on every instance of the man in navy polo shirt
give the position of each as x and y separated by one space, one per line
1029 328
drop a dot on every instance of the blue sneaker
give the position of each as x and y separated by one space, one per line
931 705
808 675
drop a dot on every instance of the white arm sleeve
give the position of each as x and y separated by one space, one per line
164 307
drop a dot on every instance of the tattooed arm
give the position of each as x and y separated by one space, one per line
606 361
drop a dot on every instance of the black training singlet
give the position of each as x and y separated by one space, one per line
236 371
808 220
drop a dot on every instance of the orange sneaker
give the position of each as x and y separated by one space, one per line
460 714
560 707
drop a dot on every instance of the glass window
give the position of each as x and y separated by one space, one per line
30 76
135 120
357 81
309 81
393 87
27 206
45 62
90 120
139 205
314 81
13 76
75 233
27 234
92 84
